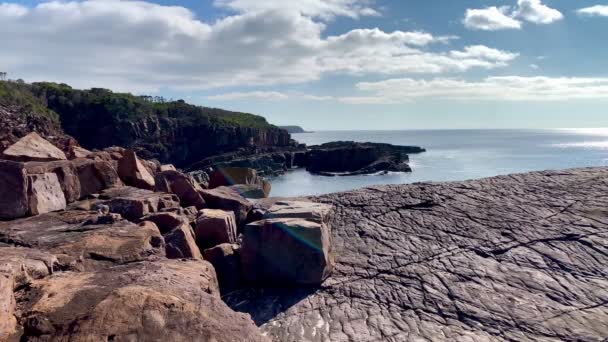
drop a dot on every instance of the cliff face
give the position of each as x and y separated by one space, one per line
171 131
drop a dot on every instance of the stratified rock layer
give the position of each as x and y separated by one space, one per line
512 258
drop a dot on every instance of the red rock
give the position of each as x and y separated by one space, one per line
45 194
226 198
78 152
33 147
228 176
13 190
214 227
132 171
95 176
180 244
182 185
225 258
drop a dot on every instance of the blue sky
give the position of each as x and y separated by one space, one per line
330 64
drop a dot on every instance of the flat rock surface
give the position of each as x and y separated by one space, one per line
511 258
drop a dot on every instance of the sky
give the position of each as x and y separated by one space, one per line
330 64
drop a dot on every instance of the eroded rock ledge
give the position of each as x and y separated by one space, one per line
512 258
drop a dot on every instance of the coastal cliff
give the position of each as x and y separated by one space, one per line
171 131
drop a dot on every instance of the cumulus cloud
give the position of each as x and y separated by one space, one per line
143 47
325 9
511 17
490 19
536 12
594 11
504 88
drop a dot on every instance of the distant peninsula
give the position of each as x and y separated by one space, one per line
294 129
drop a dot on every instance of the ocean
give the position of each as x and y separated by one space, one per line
455 155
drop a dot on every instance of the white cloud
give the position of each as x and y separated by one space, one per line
253 95
484 52
490 19
536 12
534 66
505 88
510 17
324 9
142 47
594 11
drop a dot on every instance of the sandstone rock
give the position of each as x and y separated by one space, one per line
80 242
283 252
166 221
226 198
226 261
512 258
251 191
214 227
67 175
26 264
228 176
186 188
181 244
317 212
78 152
8 322
45 194
95 176
167 167
133 203
132 171
13 203
163 300
33 147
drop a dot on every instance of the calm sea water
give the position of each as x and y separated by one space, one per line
456 155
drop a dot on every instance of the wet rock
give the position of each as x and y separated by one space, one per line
80 242
351 158
181 244
13 203
286 252
33 147
225 198
133 172
226 261
45 194
184 186
162 300
214 227
251 191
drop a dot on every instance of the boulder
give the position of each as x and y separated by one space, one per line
13 203
133 172
214 227
133 203
286 252
228 176
226 198
184 186
181 244
78 152
81 242
33 147
311 211
162 300
66 173
26 264
95 176
252 191
226 261
45 194
166 221
167 167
